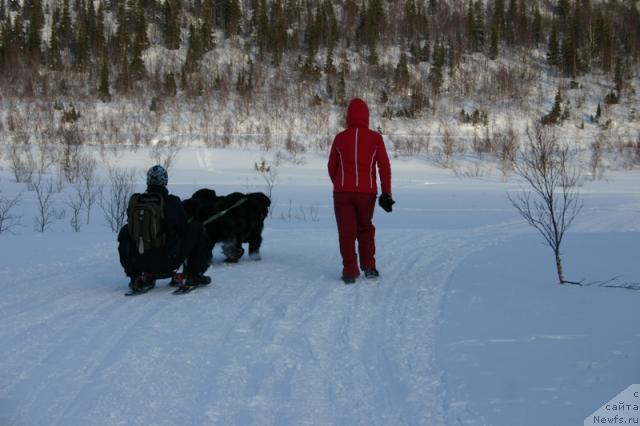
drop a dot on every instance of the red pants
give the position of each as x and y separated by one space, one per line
354 212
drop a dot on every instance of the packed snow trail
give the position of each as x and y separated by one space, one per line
280 341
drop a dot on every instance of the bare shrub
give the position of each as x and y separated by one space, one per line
71 140
165 152
507 145
295 149
266 138
268 172
227 134
473 170
8 219
115 205
551 201
596 161
481 145
22 163
409 146
448 142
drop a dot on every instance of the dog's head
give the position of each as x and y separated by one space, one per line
205 195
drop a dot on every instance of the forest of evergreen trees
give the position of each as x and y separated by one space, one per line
46 47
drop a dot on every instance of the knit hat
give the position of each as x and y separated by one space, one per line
157 175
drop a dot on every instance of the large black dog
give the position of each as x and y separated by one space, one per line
231 220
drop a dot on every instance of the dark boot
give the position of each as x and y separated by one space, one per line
197 280
371 273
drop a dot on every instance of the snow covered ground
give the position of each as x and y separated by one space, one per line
466 324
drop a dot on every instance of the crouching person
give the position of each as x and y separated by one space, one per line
158 239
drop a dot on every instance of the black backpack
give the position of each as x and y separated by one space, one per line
145 215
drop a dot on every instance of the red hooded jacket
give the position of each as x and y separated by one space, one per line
356 152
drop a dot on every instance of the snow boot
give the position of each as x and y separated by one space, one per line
348 280
371 273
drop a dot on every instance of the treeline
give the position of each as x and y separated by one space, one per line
102 43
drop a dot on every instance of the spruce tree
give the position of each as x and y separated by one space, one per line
563 10
618 75
401 77
493 43
137 68
194 51
169 86
536 27
554 116
100 42
569 55
329 67
66 26
478 17
232 16
18 38
511 22
36 22
54 57
81 46
277 31
497 23
104 92
341 91
171 26
553 48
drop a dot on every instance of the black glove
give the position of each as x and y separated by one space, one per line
386 202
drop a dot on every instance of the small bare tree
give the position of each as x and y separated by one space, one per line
46 209
115 206
8 219
75 202
551 202
91 187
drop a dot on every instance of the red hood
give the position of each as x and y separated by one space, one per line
358 114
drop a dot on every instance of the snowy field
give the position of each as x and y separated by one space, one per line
466 325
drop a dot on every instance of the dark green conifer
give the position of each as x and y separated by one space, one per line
104 91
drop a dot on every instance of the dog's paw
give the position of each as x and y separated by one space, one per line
255 256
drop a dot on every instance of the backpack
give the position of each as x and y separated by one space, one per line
145 215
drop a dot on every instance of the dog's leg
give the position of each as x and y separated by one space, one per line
255 241
230 251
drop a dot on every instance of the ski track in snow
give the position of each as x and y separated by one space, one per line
280 341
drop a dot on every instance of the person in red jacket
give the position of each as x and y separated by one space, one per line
355 154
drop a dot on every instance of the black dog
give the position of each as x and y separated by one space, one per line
232 220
